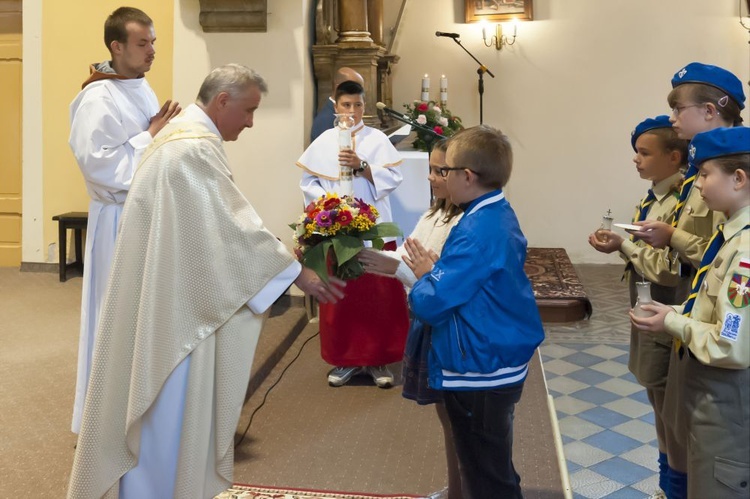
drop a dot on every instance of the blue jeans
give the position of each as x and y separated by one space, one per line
482 425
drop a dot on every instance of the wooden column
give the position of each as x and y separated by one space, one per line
353 22
375 20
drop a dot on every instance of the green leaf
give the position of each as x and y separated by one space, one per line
346 248
315 259
384 229
378 243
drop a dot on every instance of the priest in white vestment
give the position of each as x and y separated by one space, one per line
112 121
193 274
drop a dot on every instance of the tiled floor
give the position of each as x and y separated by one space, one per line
605 419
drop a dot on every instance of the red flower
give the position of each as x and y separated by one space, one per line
438 129
331 203
422 106
344 218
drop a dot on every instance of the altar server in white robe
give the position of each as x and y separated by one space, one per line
193 274
367 330
113 119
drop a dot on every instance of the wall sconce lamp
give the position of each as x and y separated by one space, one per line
498 39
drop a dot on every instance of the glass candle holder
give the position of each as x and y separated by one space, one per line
344 123
643 289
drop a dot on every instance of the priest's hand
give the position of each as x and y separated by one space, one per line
309 282
169 110
657 234
420 259
655 323
377 262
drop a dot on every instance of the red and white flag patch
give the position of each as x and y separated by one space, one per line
745 263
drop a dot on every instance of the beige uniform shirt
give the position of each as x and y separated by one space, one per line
654 264
718 331
694 228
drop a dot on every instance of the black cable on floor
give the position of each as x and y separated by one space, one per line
272 387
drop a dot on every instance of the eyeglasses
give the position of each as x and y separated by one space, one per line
443 171
677 110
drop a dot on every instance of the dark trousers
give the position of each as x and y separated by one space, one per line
482 425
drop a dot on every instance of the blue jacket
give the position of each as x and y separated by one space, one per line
323 120
479 302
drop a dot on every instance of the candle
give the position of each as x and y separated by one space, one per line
443 89
426 88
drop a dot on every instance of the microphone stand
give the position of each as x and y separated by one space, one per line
414 124
482 69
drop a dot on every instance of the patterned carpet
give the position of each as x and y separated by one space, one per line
239 491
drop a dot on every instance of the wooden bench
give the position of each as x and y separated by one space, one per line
77 221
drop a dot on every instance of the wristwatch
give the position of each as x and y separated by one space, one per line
363 165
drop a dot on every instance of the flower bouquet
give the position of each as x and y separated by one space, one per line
341 224
432 116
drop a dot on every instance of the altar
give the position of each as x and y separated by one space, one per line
412 198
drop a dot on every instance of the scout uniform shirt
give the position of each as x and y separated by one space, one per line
695 227
715 378
649 262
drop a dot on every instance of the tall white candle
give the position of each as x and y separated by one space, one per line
443 89
426 88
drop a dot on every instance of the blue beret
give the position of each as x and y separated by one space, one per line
695 72
719 142
644 126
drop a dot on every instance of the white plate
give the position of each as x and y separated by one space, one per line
628 226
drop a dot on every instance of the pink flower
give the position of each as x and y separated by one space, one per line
421 119
443 121
324 219
437 109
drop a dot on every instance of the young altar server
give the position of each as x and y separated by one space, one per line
367 329
713 325
659 157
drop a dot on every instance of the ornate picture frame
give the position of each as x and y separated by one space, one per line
498 10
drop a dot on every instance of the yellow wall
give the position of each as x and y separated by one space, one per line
72 40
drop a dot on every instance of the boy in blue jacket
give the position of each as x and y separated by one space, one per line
485 321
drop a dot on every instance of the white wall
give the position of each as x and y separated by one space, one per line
263 158
568 93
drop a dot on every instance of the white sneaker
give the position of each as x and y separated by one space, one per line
339 376
381 376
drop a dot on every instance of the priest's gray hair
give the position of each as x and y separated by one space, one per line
231 78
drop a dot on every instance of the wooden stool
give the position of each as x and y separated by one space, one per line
77 221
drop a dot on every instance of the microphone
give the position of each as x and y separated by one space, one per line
388 110
448 35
